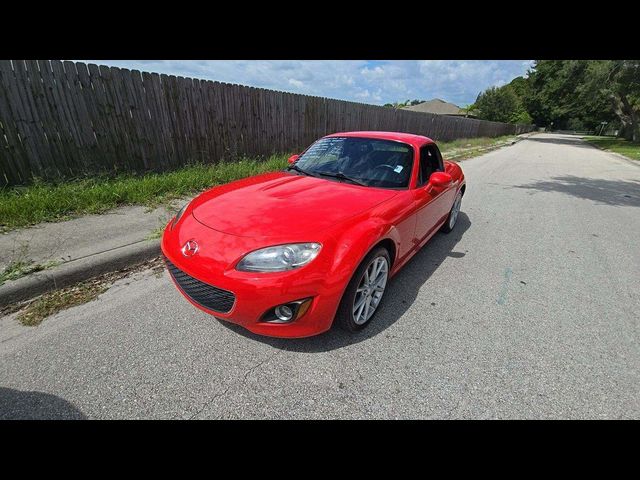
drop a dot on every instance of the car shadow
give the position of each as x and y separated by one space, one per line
600 191
402 290
23 405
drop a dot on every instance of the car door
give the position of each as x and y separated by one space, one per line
432 204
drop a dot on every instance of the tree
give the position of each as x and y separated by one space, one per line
619 82
567 91
504 104
496 104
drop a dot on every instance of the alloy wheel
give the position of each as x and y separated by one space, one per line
370 290
454 211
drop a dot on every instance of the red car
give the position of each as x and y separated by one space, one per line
285 253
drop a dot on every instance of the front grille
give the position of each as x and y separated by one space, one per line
202 293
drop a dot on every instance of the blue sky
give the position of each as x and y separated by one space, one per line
366 81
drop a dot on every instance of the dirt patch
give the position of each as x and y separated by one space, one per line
33 312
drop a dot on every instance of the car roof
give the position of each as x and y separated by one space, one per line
410 138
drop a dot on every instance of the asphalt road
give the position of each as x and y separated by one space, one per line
529 309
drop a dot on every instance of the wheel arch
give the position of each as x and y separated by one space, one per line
389 245
358 242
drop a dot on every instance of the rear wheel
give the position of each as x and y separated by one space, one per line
364 293
453 214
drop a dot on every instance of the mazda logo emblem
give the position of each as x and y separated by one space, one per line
190 248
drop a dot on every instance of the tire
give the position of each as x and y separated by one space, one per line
452 218
345 317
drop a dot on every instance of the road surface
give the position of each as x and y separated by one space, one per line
529 309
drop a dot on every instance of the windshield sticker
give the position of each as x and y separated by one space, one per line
398 169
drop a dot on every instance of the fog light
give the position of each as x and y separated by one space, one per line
284 313
287 312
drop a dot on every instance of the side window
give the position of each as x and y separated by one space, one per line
430 161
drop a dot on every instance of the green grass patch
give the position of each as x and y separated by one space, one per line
46 202
473 143
618 145
20 268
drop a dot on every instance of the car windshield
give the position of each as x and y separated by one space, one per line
365 161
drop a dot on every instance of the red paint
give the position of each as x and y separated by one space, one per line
440 179
231 220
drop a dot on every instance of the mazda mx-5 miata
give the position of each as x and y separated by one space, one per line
286 253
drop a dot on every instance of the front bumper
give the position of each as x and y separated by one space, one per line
253 293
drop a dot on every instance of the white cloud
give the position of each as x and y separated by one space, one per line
457 81
296 83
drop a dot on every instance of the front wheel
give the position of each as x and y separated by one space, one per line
453 215
364 293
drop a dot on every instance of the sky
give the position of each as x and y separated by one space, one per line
366 81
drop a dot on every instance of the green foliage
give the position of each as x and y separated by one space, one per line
587 92
564 90
569 94
40 202
497 104
504 104
619 82
576 124
521 116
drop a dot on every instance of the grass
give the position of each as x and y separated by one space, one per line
50 202
473 143
20 268
619 145
46 202
464 148
58 300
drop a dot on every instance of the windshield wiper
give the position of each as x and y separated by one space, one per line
298 169
342 176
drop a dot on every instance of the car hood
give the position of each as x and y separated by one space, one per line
282 204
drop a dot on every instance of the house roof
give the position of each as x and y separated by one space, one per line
437 106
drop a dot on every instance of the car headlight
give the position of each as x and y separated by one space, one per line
279 258
179 214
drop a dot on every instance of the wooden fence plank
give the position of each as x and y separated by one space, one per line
23 123
44 161
107 124
103 148
69 133
15 158
91 155
48 118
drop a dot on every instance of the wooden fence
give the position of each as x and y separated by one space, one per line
63 119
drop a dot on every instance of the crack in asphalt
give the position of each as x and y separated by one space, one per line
266 360
215 397
243 382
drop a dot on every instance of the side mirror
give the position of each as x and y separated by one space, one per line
293 158
440 179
